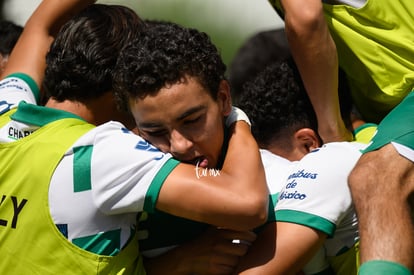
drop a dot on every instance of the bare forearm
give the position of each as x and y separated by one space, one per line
243 153
213 252
314 52
281 248
381 190
249 181
29 53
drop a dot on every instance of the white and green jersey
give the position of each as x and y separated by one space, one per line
277 169
316 195
102 181
160 232
401 134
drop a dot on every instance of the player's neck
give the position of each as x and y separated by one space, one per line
75 107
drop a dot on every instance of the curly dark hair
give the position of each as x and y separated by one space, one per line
164 54
277 103
81 60
9 34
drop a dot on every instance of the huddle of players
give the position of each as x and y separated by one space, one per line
171 80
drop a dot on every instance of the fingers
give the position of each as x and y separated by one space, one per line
233 242
237 241
218 251
223 264
238 236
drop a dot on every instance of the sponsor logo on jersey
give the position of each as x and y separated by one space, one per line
12 83
7 201
288 193
18 134
146 146
303 174
285 195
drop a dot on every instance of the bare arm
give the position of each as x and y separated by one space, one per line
28 56
236 199
212 253
315 54
281 248
386 233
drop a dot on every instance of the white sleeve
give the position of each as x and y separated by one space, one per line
134 174
316 193
13 90
236 115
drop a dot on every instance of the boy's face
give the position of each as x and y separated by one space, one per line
185 120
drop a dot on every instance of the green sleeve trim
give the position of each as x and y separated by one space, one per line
306 219
32 84
82 168
378 267
271 217
157 182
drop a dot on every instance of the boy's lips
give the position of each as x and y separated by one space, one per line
200 162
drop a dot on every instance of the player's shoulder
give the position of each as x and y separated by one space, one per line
19 87
334 153
341 146
273 159
112 132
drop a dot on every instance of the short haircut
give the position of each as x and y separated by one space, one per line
277 103
165 54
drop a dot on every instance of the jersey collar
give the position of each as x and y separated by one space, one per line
39 115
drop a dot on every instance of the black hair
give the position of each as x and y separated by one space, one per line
9 34
165 54
81 59
277 103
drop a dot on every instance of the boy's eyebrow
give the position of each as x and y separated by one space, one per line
149 125
182 116
191 111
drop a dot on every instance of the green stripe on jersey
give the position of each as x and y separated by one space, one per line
390 131
306 219
273 198
82 168
154 189
103 243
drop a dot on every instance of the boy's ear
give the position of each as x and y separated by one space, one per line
307 140
224 97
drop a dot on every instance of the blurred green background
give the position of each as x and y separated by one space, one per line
228 22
